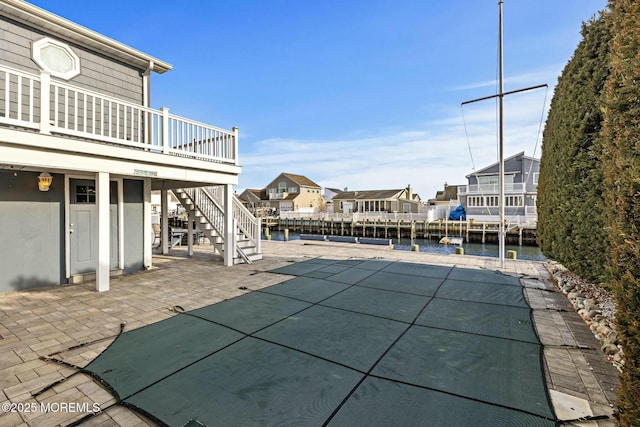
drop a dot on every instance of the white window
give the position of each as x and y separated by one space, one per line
536 175
490 180
474 201
492 201
56 58
513 201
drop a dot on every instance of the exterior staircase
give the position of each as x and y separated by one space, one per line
206 205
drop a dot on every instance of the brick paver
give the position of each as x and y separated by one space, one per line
47 322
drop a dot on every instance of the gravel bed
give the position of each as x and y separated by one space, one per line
597 307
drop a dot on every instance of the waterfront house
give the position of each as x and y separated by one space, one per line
391 201
286 193
444 201
446 196
294 193
481 195
81 151
257 202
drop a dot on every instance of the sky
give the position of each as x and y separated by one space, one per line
355 94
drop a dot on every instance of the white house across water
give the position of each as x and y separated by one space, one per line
480 197
81 150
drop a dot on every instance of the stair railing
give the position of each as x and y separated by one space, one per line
246 222
209 207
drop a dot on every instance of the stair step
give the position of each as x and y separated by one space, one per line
253 257
209 230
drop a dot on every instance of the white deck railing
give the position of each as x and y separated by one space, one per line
52 107
515 187
246 222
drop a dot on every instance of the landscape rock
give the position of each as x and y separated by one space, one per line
609 349
595 305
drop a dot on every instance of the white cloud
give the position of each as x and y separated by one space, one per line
425 156
547 75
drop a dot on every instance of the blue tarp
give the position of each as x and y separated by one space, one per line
457 214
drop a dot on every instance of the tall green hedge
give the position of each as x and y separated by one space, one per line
571 225
622 183
589 187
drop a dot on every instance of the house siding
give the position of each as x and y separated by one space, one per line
518 167
531 187
97 72
33 231
133 223
32 249
305 197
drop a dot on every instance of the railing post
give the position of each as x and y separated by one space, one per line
164 209
235 146
45 101
165 129
229 230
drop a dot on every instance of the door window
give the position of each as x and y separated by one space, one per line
85 193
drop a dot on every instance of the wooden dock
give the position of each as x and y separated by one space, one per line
471 231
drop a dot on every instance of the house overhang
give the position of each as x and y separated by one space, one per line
34 16
32 151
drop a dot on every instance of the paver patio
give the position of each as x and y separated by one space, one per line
47 322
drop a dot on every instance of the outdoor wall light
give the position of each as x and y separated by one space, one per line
44 181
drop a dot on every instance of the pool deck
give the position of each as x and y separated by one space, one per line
48 321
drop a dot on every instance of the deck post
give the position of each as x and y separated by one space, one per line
148 233
519 236
189 233
104 232
164 211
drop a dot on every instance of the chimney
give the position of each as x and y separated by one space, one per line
409 192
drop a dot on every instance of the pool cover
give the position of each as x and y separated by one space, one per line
344 343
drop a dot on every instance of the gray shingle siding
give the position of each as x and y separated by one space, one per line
97 72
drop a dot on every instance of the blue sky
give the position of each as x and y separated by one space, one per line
358 94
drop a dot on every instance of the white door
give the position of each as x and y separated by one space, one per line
83 226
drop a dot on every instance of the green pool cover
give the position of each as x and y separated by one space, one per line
344 343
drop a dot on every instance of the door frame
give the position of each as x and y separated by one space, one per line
67 219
